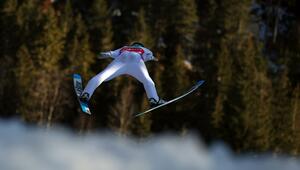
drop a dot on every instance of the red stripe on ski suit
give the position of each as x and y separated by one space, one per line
136 50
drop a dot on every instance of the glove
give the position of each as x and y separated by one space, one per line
150 57
155 59
104 55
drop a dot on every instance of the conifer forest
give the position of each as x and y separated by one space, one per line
248 53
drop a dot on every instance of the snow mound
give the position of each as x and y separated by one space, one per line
30 148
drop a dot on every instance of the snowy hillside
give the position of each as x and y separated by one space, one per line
27 148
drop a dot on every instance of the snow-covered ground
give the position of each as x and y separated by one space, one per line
28 148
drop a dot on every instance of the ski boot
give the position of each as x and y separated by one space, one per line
154 103
84 97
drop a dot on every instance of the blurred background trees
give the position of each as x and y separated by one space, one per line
247 51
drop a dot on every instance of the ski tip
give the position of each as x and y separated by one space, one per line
200 82
76 75
137 115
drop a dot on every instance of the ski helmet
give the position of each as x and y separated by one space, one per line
137 44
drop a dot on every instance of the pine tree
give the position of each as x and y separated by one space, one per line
243 98
77 58
174 36
10 42
177 74
141 32
100 26
295 119
281 115
38 63
243 104
255 89
185 22
78 55
205 62
180 37
8 22
224 78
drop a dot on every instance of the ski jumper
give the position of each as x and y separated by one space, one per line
130 61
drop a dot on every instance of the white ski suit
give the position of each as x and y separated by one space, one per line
127 60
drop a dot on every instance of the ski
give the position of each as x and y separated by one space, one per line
77 82
191 90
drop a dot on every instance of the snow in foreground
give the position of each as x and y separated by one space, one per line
27 148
